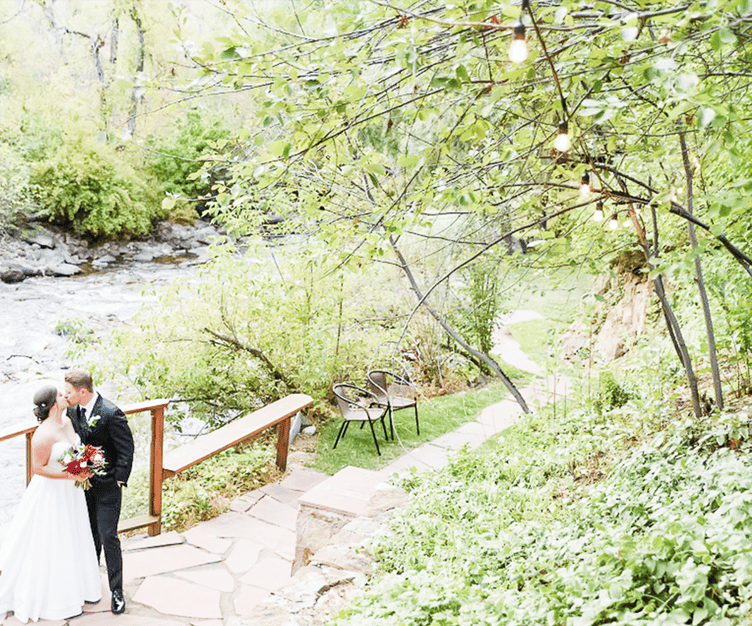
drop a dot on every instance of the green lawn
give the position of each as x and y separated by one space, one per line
437 416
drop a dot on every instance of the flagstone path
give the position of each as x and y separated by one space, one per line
221 571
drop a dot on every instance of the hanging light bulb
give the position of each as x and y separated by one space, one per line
562 142
598 215
518 47
585 185
613 223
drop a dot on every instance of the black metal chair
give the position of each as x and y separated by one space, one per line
395 392
358 405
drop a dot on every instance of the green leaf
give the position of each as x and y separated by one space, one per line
375 168
408 161
229 53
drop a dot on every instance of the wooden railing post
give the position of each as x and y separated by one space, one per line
29 471
152 521
155 481
283 443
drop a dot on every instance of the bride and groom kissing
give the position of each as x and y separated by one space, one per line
49 558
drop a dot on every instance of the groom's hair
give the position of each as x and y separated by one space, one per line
79 379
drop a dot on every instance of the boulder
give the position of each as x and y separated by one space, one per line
12 276
42 237
64 269
206 235
144 256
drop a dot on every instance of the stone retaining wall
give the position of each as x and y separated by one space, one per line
334 557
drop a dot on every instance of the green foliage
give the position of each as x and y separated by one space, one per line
177 153
611 395
481 303
36 139
564 524
15 201
253 329
399 128
203 491
87 187
207 489
731 296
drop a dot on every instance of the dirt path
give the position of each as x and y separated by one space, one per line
508 348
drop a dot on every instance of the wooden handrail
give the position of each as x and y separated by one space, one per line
277 414
154 520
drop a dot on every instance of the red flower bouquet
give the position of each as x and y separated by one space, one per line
81 459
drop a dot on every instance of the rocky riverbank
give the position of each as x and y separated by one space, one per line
46 251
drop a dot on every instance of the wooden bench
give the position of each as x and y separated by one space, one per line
277 414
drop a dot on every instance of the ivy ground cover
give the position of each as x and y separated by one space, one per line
572 521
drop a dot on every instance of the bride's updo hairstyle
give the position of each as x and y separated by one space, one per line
44 399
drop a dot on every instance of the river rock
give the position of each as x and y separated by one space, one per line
12 276
103 261
23 267
49 257
206 235
143 256
201 253
64 269
42 237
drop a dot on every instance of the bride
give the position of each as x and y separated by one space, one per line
48 567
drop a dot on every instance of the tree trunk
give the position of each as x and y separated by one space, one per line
673 327
712 352
137 92
672 324
481 356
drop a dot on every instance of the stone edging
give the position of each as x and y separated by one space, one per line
324 584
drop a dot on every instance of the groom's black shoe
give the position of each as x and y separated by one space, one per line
118 602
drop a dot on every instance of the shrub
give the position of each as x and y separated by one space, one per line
178 154
86 186
204 491
15 201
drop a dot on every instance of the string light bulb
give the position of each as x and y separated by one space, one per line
598 215
562 142
613 223
585 185
518 47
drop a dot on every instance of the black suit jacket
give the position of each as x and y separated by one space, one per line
109 429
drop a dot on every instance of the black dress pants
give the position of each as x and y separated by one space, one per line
104 501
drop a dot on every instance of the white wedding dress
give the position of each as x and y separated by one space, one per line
47 559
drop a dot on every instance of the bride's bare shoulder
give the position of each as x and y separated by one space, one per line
43 435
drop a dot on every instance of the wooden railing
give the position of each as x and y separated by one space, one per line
152 521
278 414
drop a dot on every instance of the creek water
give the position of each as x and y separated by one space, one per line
33 317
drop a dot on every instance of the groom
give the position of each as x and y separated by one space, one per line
100 423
